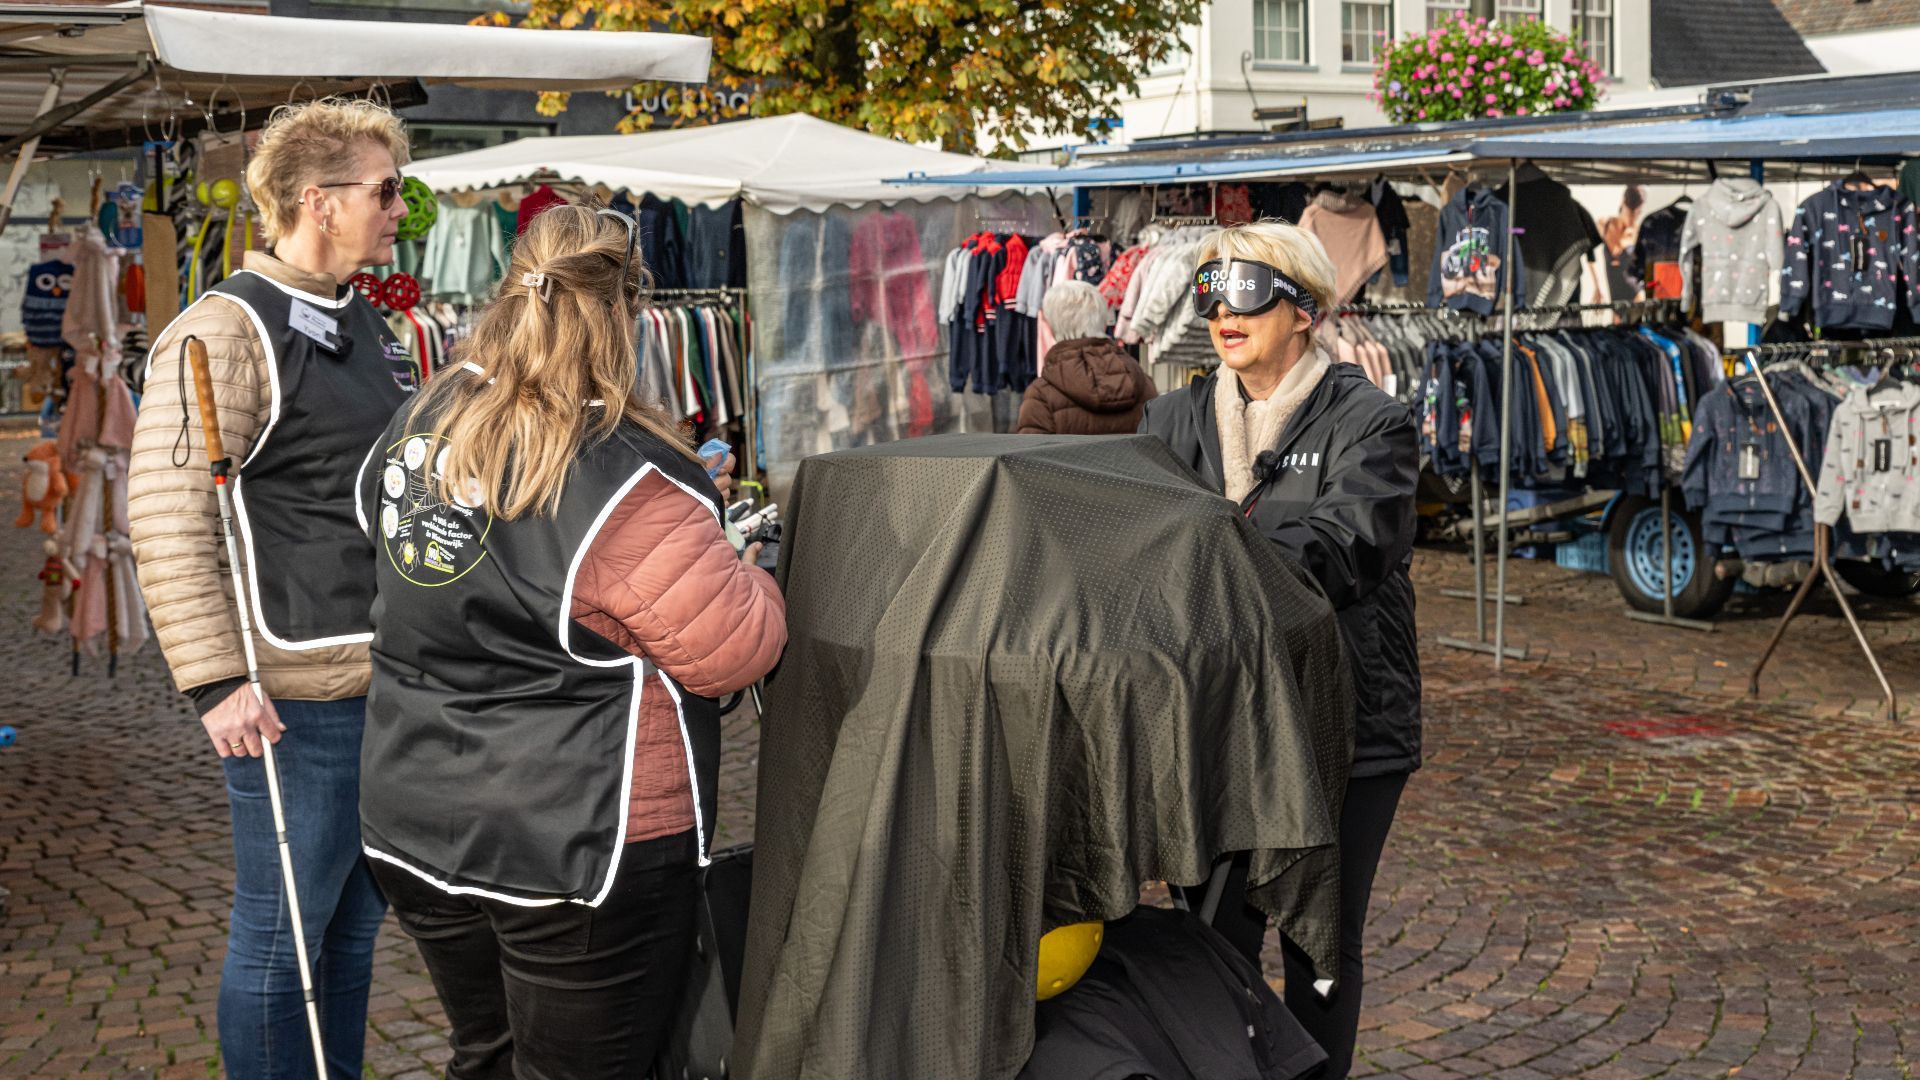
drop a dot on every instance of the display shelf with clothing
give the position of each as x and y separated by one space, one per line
1869 484
1854 412
991 288
694 350
1601 406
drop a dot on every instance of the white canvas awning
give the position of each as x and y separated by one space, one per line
781 163
227 43
125 68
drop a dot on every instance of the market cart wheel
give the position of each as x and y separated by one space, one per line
1638 565
1875 580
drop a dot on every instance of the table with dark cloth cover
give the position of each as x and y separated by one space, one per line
1025 674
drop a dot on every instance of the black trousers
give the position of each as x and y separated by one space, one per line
1334 1022
564 992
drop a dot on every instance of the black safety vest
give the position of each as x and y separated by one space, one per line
309 568
498 754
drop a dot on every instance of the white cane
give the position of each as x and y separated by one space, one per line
218 461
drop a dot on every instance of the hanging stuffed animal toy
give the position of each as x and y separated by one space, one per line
56 578
43 489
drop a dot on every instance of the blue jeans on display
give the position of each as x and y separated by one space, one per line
263 1018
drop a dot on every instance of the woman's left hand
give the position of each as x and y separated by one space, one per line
724 478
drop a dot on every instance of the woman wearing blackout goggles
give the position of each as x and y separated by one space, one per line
1325 465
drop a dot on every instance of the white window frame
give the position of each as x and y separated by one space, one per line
1350 38
1588 13
1512 11
1441 11
1266 34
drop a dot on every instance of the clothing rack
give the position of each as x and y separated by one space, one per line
747 454
1501 598
1822 534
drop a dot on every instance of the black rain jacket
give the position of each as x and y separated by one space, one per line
1342 502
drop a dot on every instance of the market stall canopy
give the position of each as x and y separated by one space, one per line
497 58
1812 136
780 163
1326 162
124 69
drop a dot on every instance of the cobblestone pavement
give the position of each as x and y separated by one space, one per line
1573 622
1609 866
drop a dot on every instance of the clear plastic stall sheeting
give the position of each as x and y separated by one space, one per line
848 347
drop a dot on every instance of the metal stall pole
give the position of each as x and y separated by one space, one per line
1498 646
55 83
1479 496
1478 594
1701 563
1500 650
1822 562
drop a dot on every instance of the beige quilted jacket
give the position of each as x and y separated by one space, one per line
177 541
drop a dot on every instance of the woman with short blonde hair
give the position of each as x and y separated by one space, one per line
559 609
1324 464
306 375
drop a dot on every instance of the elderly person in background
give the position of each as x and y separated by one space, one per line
306 376
1090 386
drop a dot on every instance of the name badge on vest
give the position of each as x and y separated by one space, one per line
324 329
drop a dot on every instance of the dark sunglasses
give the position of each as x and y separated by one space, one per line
389 189
626 261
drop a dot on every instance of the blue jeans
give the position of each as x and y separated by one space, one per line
263 1018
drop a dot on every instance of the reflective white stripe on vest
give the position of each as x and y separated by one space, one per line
268 344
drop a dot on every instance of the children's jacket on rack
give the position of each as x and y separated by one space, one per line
1654 265
1736 229
1871 472
1740 472
1469 261
1852 259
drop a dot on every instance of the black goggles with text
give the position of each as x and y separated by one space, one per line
1246 288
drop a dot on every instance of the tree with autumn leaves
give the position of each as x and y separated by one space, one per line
938 71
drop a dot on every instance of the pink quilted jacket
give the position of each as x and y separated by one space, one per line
662 582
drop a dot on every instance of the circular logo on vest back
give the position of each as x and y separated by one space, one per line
430 539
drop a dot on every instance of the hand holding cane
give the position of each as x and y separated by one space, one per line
221 466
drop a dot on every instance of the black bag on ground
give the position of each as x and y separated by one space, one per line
700 1046
1169 998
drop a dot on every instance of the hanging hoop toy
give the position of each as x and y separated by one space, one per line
401 292
367 285
422 209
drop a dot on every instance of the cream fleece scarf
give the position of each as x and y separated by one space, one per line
1248 427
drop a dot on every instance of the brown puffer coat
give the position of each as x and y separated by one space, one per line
1089 386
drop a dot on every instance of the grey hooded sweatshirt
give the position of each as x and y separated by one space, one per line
1736 226
1871 471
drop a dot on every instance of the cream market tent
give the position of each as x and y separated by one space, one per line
778 163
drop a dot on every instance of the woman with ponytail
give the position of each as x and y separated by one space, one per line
558 612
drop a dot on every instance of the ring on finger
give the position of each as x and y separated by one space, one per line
238 745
